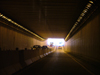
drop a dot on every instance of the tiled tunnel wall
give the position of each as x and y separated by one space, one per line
86 42
84 46
12 60
10 40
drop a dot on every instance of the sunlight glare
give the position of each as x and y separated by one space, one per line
55 41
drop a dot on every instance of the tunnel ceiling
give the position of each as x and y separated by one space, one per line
47 18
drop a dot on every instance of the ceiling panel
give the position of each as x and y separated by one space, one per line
47 18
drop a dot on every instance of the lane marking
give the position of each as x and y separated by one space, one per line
80 64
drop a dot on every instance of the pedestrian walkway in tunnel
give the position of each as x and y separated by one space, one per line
56 63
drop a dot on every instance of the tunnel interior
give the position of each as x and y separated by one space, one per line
24 24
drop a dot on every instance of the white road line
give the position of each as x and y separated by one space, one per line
80 64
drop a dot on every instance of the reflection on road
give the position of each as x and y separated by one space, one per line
59 51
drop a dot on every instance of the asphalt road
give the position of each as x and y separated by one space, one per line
56 63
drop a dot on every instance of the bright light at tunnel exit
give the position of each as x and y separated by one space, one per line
55 41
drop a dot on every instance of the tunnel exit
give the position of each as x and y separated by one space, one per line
58 43
55 41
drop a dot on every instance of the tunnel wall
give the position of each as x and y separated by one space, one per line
10 40
86 42
14 60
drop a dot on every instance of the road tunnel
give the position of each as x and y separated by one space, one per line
25 27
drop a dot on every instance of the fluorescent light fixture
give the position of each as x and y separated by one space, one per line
89 5
8 19
82 14
1 15
4 17
80 17
91 2
85 10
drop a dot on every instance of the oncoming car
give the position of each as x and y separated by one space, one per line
59 47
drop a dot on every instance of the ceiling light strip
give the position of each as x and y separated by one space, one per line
8 19
88 6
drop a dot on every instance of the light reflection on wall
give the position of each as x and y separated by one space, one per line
55 41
